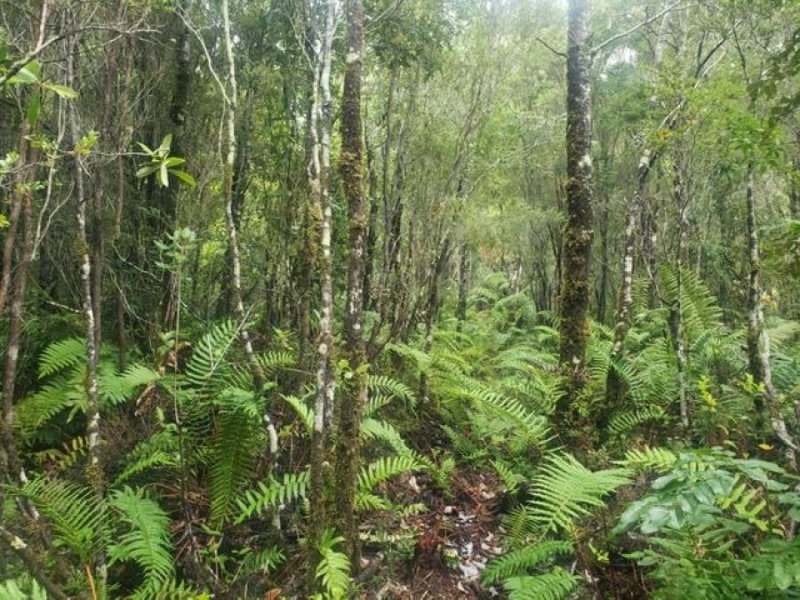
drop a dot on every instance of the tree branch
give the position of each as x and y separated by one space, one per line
20 63
27 556
553 50
674 6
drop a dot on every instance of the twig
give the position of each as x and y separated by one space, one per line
549 47
674 6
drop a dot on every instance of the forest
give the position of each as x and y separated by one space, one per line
400 299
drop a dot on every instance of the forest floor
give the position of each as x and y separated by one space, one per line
456 536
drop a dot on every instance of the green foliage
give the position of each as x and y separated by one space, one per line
555 585
73 511
294 486
333 568
520 562
143 536
564 491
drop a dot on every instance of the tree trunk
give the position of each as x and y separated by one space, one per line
577 241
354 399
319 175
95 469
463 286
680 198
233 230
758 352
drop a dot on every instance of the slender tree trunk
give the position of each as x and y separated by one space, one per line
602 289
95 469
10 465
679 196
233 230
794 189
758 351
319 176
372 229
13 220
354 399
577 240
463 286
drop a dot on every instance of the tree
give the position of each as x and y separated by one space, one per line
578 233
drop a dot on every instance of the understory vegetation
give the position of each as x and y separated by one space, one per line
315 299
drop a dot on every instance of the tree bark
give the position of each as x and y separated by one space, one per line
95 468
319 176
577 236
463 286
354 397
233 230
758 351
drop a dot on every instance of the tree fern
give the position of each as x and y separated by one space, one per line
564 491
143 537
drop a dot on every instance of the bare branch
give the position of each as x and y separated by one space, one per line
20 63
553 50
614 38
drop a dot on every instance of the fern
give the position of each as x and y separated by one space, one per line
159 450
565 491
555 585
627 421
62 355
523 561
383 469
658 459
143 538
333 569
293 487
304 412
234 449
73 511
386 385
207 359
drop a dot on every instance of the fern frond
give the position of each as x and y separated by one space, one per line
555 585
144 539
658 459
564 491
333 569
304 412
73 510
275 360
383 384
521 562
383 469
234 449
207 359
272 495
62 355
626 421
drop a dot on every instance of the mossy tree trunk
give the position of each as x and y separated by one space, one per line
577 235
354 397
